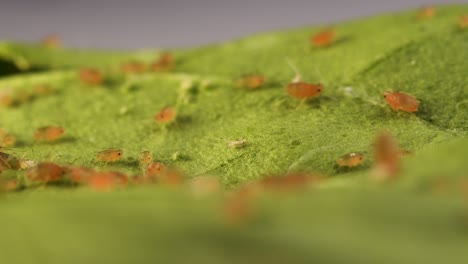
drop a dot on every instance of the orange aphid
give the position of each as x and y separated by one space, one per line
324 38
105 181
289 182
6 98
81 174
463 22
8 140
303 90
426 12
51 41
46 172
49 133
164 63
155 169
352 159
109 155
166 115
133 67
238 206
91 76
251 81
9 185
171 177
401 101
43 90
387 156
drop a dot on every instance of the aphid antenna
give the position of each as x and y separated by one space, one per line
297 77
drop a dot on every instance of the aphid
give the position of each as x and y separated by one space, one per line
9 162
463 22
171 177
352 159
237 143
251 81
109 155
91 76
166 115
145 158
238 206
9 185
387 156
8 140
401 101
290 182
426 12
324 38
302 90
51 41
164 63
43 90
202 186
6 98
106 181
81 174
133 67
46 172
155 169
49 133
22 97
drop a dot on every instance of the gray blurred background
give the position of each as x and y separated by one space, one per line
130 24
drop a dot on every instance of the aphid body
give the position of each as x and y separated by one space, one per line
145 158
426 12
51 41
133 67
166 115
463 22
302 90
251 81
46 172
91 76
238 143
387 156
164 63
352 159
401 101
109 155
49 133
324 38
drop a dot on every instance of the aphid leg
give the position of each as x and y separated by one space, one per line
297 77
301 103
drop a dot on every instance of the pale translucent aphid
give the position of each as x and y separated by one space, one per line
401 101
145 158
352 159
109 155
49 133
236 144
324 38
